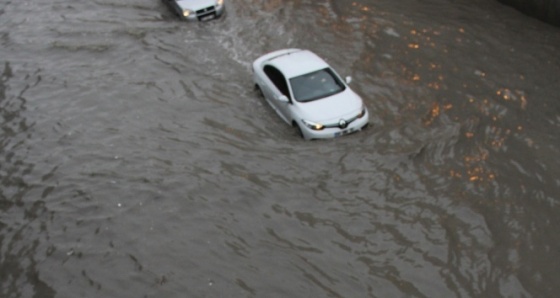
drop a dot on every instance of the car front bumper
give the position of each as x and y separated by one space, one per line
329 133
208 13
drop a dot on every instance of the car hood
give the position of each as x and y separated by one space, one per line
195 4
332 108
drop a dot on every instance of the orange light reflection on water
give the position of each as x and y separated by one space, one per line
513 95
413 46
475 169
487 133
361 7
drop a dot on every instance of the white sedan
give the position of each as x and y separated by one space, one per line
308 94
201 10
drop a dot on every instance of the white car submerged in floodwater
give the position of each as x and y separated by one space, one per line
308 94
201 10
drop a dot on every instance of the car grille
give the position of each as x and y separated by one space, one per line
343 123
205 11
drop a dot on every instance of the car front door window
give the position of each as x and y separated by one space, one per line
277 79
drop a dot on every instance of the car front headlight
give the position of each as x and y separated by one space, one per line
313 125
187 12
362 113
219 2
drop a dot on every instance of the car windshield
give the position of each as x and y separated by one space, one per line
316 85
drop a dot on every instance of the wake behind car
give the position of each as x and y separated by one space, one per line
201 10
308 94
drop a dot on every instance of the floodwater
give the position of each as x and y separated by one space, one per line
137 161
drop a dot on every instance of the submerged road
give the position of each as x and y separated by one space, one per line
137 161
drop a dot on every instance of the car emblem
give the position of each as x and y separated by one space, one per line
342 123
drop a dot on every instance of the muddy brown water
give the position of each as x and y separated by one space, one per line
137 161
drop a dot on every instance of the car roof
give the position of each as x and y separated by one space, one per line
298 63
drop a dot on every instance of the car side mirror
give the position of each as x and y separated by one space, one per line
348 79
283 98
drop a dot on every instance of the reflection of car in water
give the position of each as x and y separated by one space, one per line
308 94
201 10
